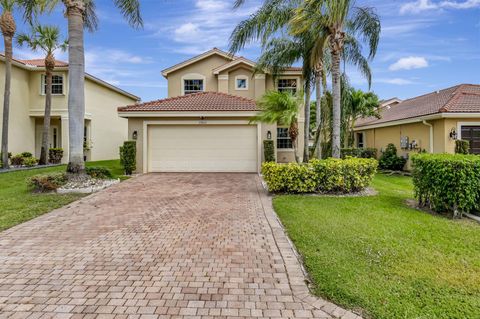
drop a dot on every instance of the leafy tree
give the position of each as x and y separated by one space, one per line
46 39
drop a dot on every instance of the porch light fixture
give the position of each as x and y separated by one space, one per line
134 135
269 135
453 134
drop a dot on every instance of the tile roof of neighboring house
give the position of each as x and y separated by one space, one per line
41 62
463 98
203 101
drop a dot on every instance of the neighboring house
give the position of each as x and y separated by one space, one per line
429 122
205 123
104 130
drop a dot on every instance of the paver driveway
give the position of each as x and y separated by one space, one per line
158 246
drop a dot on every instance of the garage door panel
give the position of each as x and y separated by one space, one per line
208 148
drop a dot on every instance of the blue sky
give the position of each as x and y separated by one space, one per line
425 45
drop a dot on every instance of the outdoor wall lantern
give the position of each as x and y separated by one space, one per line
135 135
269 135
453 134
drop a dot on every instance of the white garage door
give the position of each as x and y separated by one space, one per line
202 148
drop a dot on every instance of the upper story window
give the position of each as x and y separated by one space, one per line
287 85
193 86
241 82
283 138
57 84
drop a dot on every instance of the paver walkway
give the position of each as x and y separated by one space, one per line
158 246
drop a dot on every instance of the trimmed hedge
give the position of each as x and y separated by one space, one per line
55 155
390 160
128 156
462 147
447 182
359 152
98 172
322 176
269 151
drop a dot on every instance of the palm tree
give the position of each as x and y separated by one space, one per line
339 24
46 39
282 108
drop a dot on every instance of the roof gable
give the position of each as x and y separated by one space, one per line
234 63
197 58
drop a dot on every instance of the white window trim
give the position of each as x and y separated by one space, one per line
460 124
43 77
276 140
241 77
299 84
192 76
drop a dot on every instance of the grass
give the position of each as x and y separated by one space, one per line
377 255
18 204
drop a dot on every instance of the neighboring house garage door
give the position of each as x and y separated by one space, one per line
472 134
202 148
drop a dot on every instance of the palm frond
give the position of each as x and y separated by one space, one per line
365 22
131 11
352 53
90 16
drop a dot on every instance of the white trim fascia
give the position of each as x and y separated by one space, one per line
241 77
195 59
63 113
189 114
418 119
112 87
232 64
223 77
460 124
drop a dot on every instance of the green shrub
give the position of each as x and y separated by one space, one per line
269 151
99 172
55 155
359 152
17 160
26 154
47 182
390 160
324 176
447 182
462 147
30 161
128 156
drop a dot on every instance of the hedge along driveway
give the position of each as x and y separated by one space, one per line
377 254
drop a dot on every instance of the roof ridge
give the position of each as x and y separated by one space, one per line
433 92
453 98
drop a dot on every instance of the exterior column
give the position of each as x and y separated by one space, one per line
260 86
223 83
65 138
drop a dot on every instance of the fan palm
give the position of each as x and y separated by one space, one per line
341 25
46 39
282 108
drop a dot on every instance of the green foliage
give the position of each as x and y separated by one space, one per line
279 107
30 161
462 147
269 150
24 159
98 172
128 156
26 154
447 182
359 152
323 176
9 157
390 160
17 160
55 155
47 182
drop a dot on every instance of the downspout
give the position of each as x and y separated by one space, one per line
431 134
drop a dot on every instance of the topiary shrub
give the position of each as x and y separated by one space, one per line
269 151
359 152
30 161
47 182
17 160
390 160
323 176
55 155
447 182
99 172
128 156
462 147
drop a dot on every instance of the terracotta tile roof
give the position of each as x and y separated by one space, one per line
41 62
203 101
463 98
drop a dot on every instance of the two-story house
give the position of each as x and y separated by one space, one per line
104 130
205 123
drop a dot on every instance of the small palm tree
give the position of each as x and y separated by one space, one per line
282 108
47 39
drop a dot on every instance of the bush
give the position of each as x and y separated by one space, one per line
55 155
30 161
269 150
447 182
99 172
47 182
26 154
324 176
462 147
128 156
390 160
359 152
17 160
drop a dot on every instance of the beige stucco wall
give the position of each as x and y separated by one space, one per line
250 92
454 124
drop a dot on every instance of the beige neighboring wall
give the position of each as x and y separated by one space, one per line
244 73
202 67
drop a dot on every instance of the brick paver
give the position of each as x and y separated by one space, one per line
158 246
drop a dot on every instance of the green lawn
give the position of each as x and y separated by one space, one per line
376 254
18 204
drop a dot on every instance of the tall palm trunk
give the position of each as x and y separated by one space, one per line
49 67
318 112
336 48
293 133
306 135
8 27
76 81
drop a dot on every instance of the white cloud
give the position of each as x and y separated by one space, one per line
428 5
409 63
395 81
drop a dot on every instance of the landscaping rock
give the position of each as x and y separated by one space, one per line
86 185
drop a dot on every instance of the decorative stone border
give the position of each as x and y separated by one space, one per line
296 273
88 190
